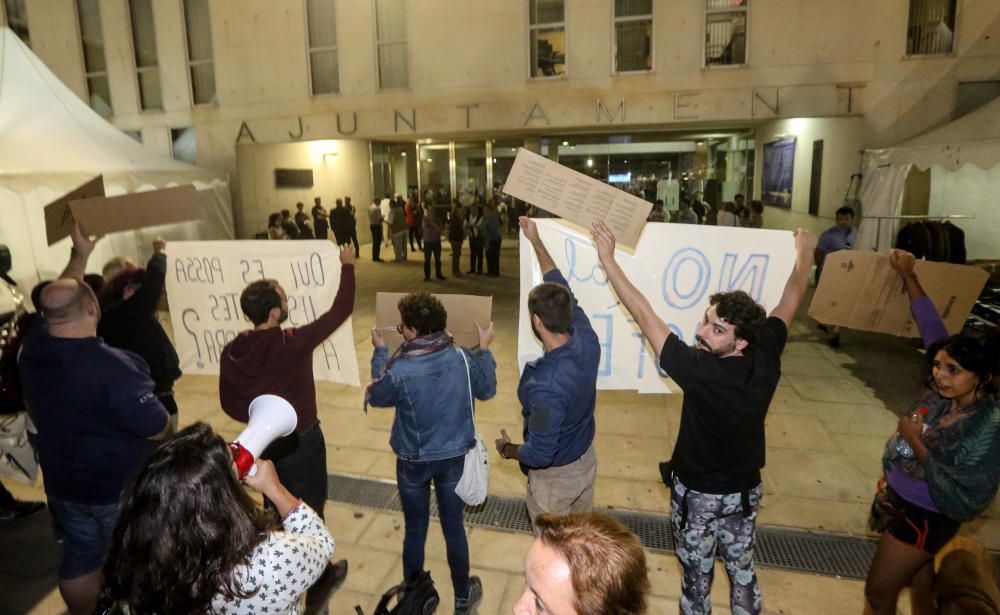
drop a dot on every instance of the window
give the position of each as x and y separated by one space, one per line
134 134
94 64
201 65
633 35
323 66
547 37
725 32
17 19
144 44
931 28
390 32
183 145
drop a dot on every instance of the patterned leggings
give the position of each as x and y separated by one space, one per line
715 524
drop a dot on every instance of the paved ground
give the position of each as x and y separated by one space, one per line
830 418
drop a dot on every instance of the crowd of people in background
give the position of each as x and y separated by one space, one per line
695 210
415 223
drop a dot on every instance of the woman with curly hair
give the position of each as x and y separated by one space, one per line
190 540
942 467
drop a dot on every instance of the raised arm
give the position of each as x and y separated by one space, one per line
928 320
655 330
312 335
545 261
79 253
795 287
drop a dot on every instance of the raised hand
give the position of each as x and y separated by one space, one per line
902 262
604 242
528 226
485 335
347 256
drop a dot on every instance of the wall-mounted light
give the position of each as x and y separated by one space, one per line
565 142
590 162
403 154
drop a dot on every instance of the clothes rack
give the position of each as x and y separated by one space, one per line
878 222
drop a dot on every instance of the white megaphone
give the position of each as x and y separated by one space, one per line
271 417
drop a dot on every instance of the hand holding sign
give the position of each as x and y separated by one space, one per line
347 255
485 335
604 241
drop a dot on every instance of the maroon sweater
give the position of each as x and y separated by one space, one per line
279 361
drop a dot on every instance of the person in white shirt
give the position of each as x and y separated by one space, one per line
190 539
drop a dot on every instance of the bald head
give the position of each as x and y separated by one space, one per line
68 301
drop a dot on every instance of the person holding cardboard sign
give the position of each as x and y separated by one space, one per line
728 378
558 394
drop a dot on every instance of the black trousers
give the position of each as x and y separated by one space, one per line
432 247
475 255
300 460
493 257
376 241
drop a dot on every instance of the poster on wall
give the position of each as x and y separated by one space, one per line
779 165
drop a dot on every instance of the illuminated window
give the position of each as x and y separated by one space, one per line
931 27
390 28
323 65
633 35
547 37
725 32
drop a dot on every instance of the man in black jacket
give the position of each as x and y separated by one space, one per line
129 300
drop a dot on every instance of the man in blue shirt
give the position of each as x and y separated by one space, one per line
841 236
558 393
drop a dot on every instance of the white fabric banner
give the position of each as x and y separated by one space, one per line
676 266
204 282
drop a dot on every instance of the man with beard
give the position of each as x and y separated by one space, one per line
271 360
728 379
558 393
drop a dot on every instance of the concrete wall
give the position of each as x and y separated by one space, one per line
340 168
842 144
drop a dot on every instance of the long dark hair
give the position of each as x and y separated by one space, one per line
185 525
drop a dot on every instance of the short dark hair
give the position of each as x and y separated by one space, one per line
739 195
553 304
606 561
740 310
186 524
979 355
685 200
845 211
423 312
339 202
285 213
258 299
757 206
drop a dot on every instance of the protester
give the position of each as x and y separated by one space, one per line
700 207
657 214
414 218
288 225
352 231
275 230
191 540
728 379
473 228
432 228
492 238
398 230
685 215
302 222
456 235
375 222
584 564
269 359
321 219
558 394
87 454
341 223
942 467
755 219
727 215
431 383
129 302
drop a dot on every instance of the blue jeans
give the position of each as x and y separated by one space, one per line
86 531
414 481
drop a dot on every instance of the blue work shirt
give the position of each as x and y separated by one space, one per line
558 393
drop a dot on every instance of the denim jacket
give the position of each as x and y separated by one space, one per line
431 395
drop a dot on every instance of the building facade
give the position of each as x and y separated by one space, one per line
381 96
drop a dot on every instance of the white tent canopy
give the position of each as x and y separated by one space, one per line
964 160
52 142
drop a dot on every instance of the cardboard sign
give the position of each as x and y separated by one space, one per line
58 217
102 215
677 267
574 196
860 290
204 283
464 311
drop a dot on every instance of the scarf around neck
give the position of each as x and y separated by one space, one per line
418 346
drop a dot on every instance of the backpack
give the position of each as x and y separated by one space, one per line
414 597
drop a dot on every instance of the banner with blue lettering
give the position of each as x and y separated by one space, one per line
204 282
676 266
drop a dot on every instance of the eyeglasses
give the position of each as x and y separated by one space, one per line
398 328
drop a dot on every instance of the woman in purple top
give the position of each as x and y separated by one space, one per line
942 467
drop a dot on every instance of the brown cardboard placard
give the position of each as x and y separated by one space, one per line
464 311
59 219
860 290
575 197
102 215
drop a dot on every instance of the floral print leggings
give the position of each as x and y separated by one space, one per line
707 524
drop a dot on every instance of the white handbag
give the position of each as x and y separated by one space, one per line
472 486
